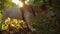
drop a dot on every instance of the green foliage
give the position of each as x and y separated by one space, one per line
6 4
44 25
38 2
9 4
4 26
35 2
15 24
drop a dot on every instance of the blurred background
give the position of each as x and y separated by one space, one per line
43 24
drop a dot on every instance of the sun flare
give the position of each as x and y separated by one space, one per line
15 1
18 3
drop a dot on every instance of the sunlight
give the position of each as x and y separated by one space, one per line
15 1
18 3
26 2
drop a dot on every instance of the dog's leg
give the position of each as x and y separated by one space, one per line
28 18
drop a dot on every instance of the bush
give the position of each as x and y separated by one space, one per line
44 25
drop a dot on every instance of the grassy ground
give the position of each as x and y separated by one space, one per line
42 24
